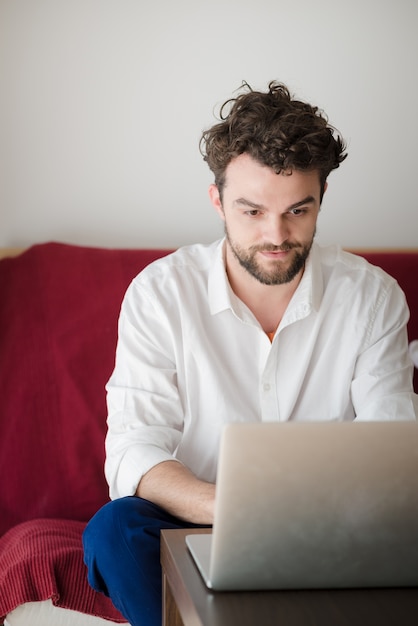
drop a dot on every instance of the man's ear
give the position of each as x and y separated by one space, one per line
323 193
215 198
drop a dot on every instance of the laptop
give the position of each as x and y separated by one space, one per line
313 505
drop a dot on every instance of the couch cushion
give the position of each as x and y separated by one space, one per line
59 306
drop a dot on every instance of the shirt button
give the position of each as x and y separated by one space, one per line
266 387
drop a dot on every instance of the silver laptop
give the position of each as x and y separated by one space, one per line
313 505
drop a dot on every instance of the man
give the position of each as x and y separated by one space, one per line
263 325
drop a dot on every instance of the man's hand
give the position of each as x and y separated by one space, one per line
174 488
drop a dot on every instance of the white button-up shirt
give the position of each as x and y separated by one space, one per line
192 357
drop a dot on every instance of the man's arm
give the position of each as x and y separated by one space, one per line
382 387
174 488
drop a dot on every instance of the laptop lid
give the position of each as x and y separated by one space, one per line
313 505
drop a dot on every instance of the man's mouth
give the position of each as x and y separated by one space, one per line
276 252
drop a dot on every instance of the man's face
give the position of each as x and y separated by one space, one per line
270 218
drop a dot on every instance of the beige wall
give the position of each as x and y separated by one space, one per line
103 103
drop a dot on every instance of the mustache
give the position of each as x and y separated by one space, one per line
270 247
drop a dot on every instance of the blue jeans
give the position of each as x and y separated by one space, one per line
122 554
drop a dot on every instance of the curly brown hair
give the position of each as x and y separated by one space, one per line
276 130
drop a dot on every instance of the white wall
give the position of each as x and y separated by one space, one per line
103 103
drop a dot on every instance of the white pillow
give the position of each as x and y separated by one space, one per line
46 614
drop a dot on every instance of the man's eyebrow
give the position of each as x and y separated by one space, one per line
248 203
255 205
307 200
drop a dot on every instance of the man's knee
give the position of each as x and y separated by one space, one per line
122 555
124 524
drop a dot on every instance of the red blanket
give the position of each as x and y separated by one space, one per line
43 559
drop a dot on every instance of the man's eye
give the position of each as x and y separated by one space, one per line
252 213
297 212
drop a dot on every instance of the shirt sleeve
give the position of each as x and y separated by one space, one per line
382 384
145 413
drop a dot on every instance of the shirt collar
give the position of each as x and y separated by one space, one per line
308 294
220 294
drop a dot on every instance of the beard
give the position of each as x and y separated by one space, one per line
280 273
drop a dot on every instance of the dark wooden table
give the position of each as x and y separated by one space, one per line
188 602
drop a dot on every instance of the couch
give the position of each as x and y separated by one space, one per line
59 306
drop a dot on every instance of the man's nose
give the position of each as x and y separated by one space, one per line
277 230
